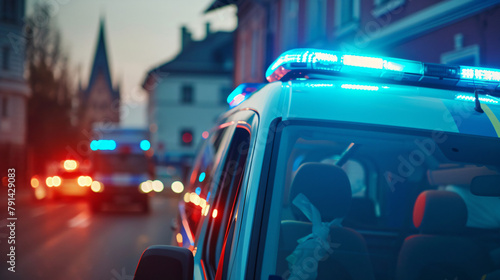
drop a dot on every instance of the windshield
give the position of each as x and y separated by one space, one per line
364 203
120 163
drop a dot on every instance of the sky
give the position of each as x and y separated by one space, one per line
139 36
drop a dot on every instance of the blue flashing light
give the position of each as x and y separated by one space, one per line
480 74
103 145
94 146
198 190
242 93
472 98
208 196
359 87
145 145
202 177
331 61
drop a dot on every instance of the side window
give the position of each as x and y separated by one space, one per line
198 190
219 231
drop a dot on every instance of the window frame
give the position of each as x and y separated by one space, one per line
385 7
473 51
316 11
6 16
227 133
342 29
187 94
237 119
289 27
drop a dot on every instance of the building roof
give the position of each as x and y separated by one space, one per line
220 3
212 55
100 66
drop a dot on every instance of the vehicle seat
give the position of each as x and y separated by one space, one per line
328 189
362 213
439 251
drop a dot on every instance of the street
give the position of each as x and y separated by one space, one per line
64 240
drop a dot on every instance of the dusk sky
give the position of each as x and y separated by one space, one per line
139 34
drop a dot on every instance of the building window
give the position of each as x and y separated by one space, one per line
6 58
289 24
186 137
4 112
468 56
187 94
9 10
254 51
346 16
386 6
316 19
381 2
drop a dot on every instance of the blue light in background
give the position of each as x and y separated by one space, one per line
103 145
94 145
198 190
145 145
202 177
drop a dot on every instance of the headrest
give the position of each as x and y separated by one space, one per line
439 212
327 188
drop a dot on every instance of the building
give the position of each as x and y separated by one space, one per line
100 100
454 32
14 90
186 95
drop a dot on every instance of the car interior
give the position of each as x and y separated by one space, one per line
408 205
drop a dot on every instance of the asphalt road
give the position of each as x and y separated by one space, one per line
64 240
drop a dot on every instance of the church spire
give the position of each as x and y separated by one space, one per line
100 66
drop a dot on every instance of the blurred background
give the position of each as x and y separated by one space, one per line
104 103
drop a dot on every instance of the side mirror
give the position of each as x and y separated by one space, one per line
165 262
488 185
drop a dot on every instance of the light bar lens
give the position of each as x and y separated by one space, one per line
103 145
480 74
363 61
304 62
330 61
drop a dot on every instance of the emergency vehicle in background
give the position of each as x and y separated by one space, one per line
122 168
66 178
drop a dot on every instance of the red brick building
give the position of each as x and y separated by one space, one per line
455 32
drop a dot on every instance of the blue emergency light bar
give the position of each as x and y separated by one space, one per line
111 145
303 62
103 145
242 93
